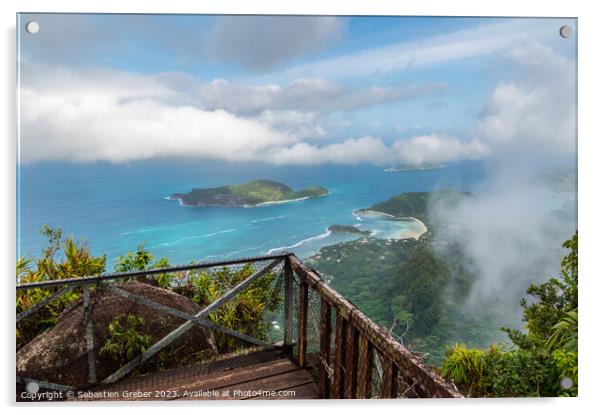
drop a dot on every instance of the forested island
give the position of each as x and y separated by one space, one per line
348 229
253 193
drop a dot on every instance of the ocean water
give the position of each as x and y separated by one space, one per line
113 208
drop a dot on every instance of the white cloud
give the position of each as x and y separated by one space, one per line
535 115
119 116
416 150
307 95
350 151
463 44
93 114
262 42
140 129
100 114
438 149
106 123
302 124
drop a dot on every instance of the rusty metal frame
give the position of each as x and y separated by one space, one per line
148 272
178 313
184 327
48 299
89 335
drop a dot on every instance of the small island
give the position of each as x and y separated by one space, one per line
347 229
251 194
418 166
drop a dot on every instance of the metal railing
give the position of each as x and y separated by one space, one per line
349 355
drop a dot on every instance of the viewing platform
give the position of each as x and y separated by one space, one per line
318 345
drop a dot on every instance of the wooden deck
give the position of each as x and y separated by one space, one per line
259 375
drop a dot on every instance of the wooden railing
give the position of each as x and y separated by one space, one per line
347 364
347 371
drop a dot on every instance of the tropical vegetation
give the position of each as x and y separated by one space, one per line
541 361
409 286
65 258
247 194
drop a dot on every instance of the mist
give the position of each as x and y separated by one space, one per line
512 224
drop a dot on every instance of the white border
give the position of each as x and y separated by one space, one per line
589 185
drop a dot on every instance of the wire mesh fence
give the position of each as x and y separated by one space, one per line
159 321
355 358
132 325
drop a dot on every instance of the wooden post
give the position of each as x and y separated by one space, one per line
351 363
339 350
288 303
365 366
389 380
303 304
427 381
325 330
89 335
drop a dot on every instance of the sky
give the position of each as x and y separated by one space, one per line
303 90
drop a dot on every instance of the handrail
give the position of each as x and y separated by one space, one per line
130 274
355 336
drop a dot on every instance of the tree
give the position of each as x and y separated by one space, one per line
125 339
62 258
246 313
420 280
539 358
142 260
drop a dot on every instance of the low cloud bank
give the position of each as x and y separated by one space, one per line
105 115
512 226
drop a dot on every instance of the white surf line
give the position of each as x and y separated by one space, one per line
417 234
298 244
367 212
280 202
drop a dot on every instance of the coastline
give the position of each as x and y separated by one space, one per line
281 202
261 204
407 234
276 202
416 234
359 213
301 242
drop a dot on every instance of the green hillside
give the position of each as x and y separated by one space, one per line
415 204
252 193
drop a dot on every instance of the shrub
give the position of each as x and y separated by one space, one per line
63 258
540 358
125 340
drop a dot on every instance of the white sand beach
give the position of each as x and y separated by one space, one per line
415 233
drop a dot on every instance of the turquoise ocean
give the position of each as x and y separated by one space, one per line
115 207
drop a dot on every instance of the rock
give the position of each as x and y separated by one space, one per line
59 354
